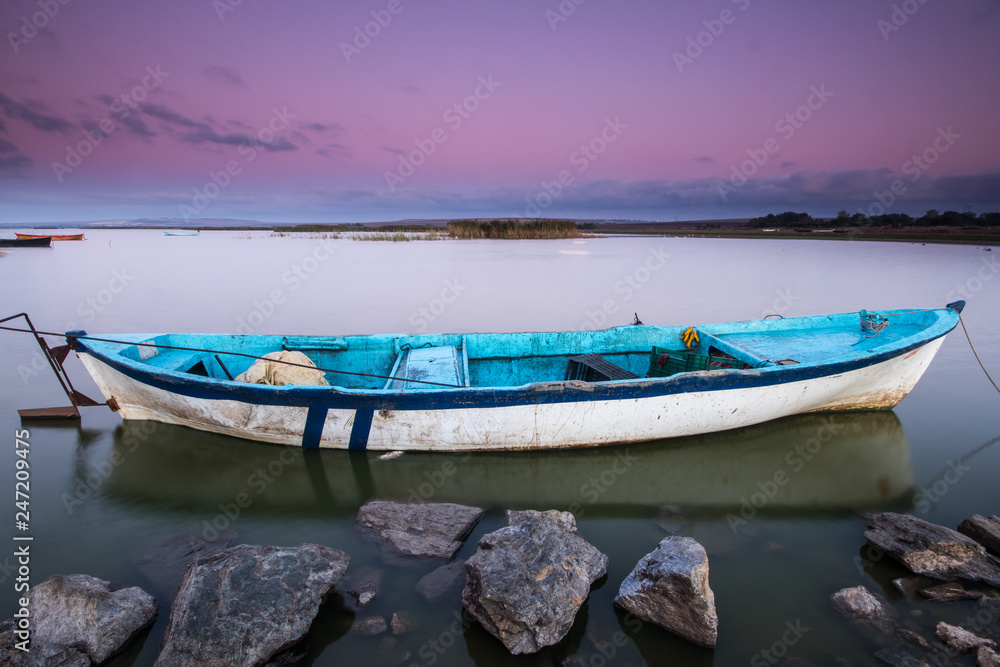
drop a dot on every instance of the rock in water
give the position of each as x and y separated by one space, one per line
929 549
248 603
40 653
527 581
83 612
961 639
862 607
669 587
984 530
433 530
446 580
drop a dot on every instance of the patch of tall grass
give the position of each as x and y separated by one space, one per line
513 229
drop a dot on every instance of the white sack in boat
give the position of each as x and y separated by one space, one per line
268 371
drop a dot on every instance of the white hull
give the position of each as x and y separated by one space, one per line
583 423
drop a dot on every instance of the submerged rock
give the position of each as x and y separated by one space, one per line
949 592
85 613
444 581
370 626
932 550
363 588
164 564
403 530
249 603
863 608
669 587
910 587
961 639
527 581
984 530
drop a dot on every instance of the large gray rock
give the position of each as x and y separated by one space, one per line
985 530
85 613
248 604
527 581
863 608
669 587
40 653
932 550
406 530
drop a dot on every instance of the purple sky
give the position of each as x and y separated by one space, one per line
278 111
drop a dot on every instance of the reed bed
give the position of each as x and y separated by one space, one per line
513 229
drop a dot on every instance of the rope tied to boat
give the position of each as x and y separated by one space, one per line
872 324
976 354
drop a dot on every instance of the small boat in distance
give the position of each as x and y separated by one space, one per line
54 237
182 232
33 242
515 391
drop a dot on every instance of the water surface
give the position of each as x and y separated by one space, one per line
104 491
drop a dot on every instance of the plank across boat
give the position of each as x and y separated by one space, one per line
522 391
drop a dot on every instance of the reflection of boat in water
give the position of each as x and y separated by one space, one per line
841 460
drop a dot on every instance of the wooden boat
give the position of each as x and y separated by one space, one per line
520 391
33 242
54 237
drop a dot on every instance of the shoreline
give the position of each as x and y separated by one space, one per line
985 236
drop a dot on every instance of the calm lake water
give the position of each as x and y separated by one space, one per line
103 492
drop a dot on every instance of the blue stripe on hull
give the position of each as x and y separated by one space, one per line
315 420
362 427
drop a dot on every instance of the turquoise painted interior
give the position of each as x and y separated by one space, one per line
516 359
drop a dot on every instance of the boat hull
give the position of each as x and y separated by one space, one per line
54 237
560 414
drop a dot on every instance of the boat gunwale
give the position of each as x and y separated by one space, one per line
439 398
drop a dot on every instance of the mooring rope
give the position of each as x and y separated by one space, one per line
976 354
234 354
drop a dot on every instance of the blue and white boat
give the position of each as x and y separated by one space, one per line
518 391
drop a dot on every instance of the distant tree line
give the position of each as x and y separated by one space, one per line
930 219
